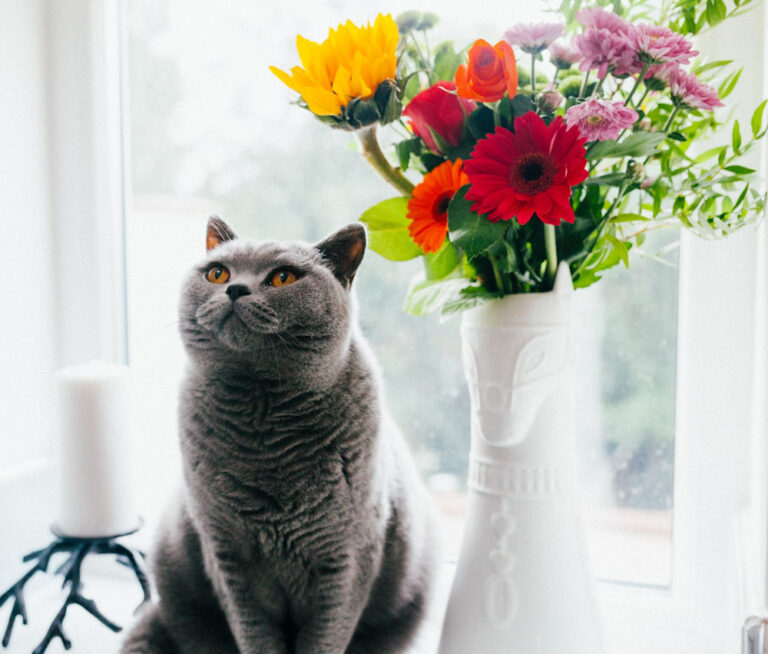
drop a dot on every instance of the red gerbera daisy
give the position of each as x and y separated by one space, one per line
428 208
514 175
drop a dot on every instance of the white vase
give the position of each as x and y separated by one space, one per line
522 584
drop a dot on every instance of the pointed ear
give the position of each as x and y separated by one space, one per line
218 231
343 252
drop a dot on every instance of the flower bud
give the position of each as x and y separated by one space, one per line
437 115
549 100
636 171
428 21
645 124
408 21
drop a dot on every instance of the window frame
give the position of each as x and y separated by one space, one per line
699 613
86 137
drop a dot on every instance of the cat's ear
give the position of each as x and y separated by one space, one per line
343 252
218 231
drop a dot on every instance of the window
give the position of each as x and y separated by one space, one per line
681 519
212 132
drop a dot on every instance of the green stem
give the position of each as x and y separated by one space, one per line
640 78
550 243
420 54
533 73
496 274
672 116
554 79
372 152
667 125
601 228
584 83
599 86
642 97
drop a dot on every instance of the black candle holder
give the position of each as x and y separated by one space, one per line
77 550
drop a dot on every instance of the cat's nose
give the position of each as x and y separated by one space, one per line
237 290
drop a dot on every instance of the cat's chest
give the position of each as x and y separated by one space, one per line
298 515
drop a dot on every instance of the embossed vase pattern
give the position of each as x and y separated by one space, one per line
522 583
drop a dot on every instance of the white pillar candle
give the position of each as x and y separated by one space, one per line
96 490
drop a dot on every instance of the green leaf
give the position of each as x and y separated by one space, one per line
736 136
713 64
522 104
504 256
446 62
602 258
431 161
506 112
757 118
708 154
728 84
740 170
741 197
388 230
469 298
610 179
677 136
405 149
426 296
481 122
412 88
442 263
640 144
469 231
621 249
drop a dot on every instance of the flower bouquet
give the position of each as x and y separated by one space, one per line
525 168
503 170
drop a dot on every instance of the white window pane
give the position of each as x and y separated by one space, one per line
625 385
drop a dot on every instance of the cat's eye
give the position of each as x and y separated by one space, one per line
282 278
217 274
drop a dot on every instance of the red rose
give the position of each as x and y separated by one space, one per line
490 73
437 116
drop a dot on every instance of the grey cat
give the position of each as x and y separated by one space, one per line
302 526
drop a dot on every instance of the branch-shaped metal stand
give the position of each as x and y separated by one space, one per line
77 550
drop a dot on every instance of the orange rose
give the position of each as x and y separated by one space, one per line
492 72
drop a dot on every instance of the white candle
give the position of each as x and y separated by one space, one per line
94 433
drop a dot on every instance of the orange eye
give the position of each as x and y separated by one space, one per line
217 274
282 278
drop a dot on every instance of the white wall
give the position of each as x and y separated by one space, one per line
27 314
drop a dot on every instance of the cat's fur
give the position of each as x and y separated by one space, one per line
302 526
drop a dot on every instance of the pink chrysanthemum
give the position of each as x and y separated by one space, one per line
657 77
531 170
606 51
563 55
603 20
655 44
533 37
601 120
662 72
688 92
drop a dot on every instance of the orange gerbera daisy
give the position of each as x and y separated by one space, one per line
428 208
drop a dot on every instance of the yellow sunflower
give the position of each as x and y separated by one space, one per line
349 64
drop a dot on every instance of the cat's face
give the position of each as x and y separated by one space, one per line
269 303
